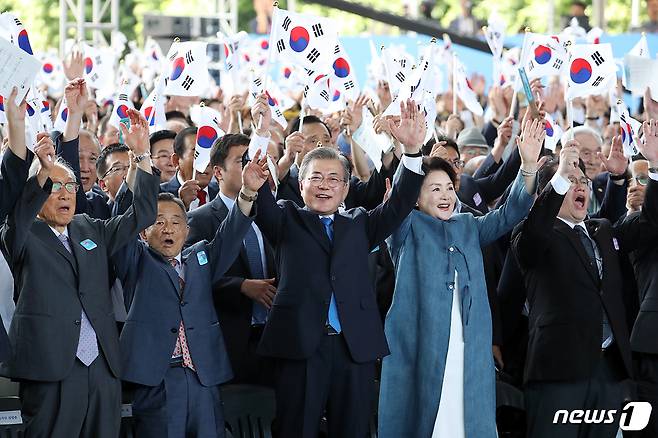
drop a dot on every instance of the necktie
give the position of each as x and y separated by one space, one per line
332 318
589 249
252 248
201 195
87 350
181 348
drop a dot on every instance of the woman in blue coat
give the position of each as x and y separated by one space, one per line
439 380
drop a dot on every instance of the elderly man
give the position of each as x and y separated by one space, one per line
65 345
324 330
172 341
578 349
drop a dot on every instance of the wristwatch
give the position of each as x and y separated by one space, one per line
139 158
251 198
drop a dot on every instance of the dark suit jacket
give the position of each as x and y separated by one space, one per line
311 268
478 193
565 294
645 267
233 307
173 185
52 286
362 194
13 175
488 167
156 307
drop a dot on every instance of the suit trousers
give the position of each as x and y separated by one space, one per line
603 390
646 380
180 407
330 380
254 369
86 404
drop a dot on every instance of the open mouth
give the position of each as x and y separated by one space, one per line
322 196
64 209
168 242
580 201
443 206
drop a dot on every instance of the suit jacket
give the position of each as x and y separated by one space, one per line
173 185
478 193
564 291
233 307
361 194
488 167
645 267
52 286
13 175
311 267
156 305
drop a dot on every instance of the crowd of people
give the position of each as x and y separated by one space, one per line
477 255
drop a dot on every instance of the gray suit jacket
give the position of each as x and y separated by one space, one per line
52 286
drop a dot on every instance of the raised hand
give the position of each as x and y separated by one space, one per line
439 150
352 117
45 151
77 96
255 174
569 158
616 163
410 131
294 144
384 95
380 125
188 191
74 65
530 143
453 126
650 106
504 131
137 137
262 115
649 147
15 113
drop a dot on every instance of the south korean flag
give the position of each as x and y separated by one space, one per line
188 69
592 70
543 56
302 39
630 129
343 77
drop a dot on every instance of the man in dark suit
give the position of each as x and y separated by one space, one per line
65 345
578 348
361 194
13 174
324 330
172 343
193 188
245 293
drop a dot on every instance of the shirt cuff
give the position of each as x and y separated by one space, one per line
258 143
653 176
413 163
560 184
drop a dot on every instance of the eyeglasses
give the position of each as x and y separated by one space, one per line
162 156
584 181
115 169
642 180
457 163
70 187
331 181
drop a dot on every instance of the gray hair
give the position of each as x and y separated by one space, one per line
59 161
324 153
581 130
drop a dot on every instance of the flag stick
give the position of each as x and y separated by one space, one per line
516 79
269 56
454 83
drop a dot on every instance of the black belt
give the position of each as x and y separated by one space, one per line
330 331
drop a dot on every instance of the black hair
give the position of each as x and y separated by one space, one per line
294 124
179 141
163 134
426 149
170 197
222 145
431 164
175 114
101 162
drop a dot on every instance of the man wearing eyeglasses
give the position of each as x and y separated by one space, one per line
65 345
579 350
324 330
637 185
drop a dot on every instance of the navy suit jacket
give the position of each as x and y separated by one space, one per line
478 193
311 267
233 307
156 306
